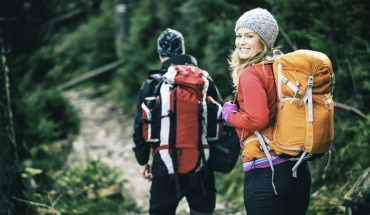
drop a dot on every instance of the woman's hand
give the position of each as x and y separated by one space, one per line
227 110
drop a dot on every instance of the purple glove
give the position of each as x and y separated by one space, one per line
227 109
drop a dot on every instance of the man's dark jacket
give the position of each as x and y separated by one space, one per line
142 148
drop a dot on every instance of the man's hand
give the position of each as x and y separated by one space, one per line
146 171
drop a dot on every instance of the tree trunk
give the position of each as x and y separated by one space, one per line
121 24
10 179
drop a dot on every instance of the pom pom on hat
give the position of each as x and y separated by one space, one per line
262 22
170 43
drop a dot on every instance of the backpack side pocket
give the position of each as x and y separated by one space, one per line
150 128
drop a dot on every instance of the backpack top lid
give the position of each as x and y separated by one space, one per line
189 77
307 63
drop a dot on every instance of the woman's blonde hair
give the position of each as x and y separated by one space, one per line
237 65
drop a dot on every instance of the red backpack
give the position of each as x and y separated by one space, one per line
180 119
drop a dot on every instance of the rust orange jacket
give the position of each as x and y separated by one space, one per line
257 99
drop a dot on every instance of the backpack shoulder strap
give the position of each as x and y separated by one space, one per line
154 80
155 75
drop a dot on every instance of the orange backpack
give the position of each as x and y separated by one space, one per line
304 127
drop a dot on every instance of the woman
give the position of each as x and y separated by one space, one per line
265 191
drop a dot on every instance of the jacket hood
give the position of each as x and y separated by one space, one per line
178 60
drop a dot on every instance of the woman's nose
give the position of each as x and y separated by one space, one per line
243 40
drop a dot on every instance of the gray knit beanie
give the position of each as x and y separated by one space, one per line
262 22
170 43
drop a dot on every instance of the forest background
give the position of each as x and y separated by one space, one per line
46 43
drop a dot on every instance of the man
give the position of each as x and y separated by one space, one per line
198 186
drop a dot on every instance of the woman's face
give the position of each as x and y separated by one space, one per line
247 43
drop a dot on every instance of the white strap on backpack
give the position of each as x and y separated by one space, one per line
263 139
308 98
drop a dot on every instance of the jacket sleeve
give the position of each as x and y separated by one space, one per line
141 148
253 100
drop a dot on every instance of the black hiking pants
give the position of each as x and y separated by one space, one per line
293 193
198 189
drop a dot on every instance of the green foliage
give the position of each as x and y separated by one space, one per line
47 52
217 53
42 115
48 116
90 46
321 27
80 190
49 156
350 156
203 25
326 200
351 150
139 50
196 16
81 179
208 30
230 188
37 68
211 45
45 116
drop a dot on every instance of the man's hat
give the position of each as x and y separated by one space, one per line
170 43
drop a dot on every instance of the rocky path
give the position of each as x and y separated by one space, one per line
106 135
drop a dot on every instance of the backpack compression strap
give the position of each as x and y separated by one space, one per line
262 139
172 147
285 80
308 98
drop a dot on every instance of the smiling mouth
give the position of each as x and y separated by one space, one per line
244 49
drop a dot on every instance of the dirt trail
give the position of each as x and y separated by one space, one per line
106 135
